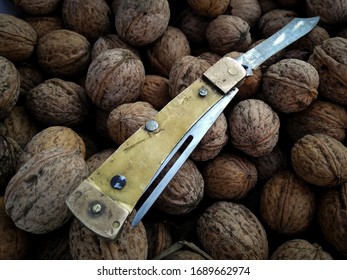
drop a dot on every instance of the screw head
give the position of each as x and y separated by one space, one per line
96 208
118 182
152 125
203 91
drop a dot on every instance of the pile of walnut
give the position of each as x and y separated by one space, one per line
269 179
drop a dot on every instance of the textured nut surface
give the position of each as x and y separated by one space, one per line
332 217
290 85
229 176
9 86
228 33
17 38
287 203
113 78
184 255
88 18
63 52
131 244
98 158
254 127
320 117
320 160
330 60
127 118
209 8
142 22
58 102
231 231
330 11
300 249
44 24
248 10
30 77
35 196
38 7
159 238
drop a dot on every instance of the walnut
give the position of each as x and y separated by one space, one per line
329 11
229 230
320 117
19 126
15 243
54 136
113 78
290 85
229 176
268 5
140 23
111 41
300 249
272 21
209 8
184 72
30 77
228 33
287 203
9 86
88 18
159 238
330 60
58 102
210 57
131 244
163 53
155 91
314 38
213 141
44 24
35 196
98 158
184 255
63 52
38 7
254 127
127 118
332 217
17 38
320 160
248 10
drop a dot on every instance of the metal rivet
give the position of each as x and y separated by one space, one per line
118 182
116 224
152 125
203 91
96 208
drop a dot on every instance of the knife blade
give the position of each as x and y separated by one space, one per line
105 199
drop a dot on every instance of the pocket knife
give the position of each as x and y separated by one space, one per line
104 200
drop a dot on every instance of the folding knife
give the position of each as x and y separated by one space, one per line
105 199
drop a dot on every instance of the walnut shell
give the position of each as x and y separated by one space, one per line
213 141
228 33
113 78
140 23
248 10
155 91
9 86
63 53
35 196
17 38
287 203
15 243
127 118
184 192
314 38
88 18
10 152
272 21
210 57
320 160
300 249
290 85
131 244
229 230
58 102
44 24
330 60
163 53
329 11
254 127
159 238
19 126
98 158
30 77
332 217
54 136
184 255
320 117
38 7
229 176
209 8
111 41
